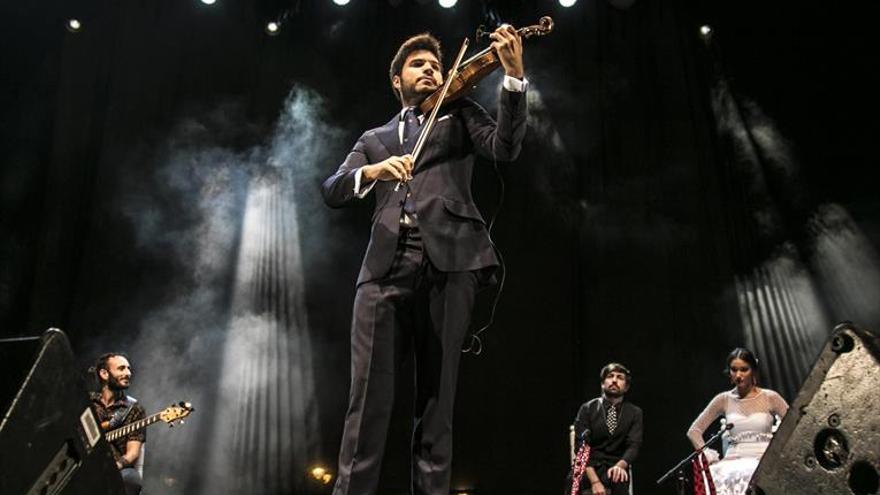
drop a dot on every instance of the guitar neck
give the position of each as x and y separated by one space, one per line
131 427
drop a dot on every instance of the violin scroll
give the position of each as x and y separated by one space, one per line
544 26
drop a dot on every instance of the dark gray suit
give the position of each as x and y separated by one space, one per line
416 286
607 448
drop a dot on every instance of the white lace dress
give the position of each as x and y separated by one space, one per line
753 420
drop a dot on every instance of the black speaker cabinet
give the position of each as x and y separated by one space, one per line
50 441
829 442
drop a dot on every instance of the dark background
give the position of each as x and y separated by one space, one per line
627 223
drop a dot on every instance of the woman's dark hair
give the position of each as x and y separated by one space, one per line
424 41
747 356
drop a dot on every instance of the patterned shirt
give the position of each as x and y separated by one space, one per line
105 413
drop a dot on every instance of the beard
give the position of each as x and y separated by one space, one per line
114 384
411 96
616 392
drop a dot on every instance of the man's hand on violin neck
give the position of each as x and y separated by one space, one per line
507 43
392 168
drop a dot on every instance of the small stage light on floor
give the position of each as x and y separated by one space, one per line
74 26
273 28
321 474
447 4
567 3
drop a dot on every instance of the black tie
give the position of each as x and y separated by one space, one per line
611 419
411 129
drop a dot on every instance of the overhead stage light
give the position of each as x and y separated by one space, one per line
74 26
341 2
208 2
273 28
567 3
447 4
706 33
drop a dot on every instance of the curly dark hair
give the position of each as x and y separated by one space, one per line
423 41
101 363
608 368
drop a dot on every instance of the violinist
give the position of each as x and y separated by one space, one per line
429 253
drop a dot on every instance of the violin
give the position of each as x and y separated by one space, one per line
480 65
463 78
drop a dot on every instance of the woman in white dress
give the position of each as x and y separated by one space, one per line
752 411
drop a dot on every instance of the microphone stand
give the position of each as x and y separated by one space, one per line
678 469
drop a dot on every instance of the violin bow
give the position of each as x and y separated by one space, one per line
429 124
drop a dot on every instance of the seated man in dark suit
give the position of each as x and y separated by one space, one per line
613 429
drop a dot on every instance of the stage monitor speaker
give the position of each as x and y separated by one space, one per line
829 442
49 438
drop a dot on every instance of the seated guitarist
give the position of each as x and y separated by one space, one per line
116 409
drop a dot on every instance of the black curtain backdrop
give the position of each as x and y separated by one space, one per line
624 227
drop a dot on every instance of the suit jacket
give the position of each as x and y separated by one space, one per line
607 448
453 232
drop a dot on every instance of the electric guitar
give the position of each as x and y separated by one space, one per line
169 415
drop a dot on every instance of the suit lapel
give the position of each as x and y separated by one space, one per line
388 136
600 412
622 417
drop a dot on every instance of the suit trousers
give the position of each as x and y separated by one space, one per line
601 471
416 309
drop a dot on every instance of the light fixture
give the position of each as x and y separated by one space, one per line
447 4
73 25
208 2
341 2
273 28
706 33
567 3
320 473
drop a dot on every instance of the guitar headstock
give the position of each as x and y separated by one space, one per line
176 412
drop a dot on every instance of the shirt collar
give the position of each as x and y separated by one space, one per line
118 401
607 404
418 113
